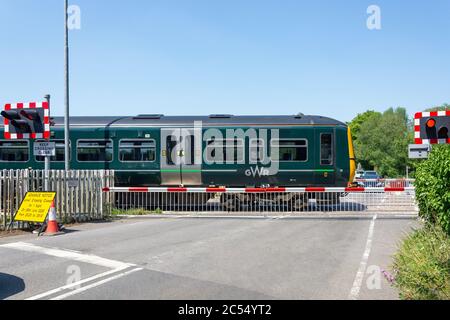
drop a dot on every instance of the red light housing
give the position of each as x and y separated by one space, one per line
431 123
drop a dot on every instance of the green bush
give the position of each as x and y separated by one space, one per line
134 212
433 187
422 266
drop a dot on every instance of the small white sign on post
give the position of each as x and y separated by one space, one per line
419 151
44 149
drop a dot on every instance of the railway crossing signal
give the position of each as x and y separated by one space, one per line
432 127
27 121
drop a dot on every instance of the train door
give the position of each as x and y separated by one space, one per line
191 157
325 171
179 158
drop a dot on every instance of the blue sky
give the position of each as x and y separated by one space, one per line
195 57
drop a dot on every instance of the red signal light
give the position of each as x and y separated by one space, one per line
31 115
431 123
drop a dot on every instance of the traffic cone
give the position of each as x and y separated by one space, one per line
52 225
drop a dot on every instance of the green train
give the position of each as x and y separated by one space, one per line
206 151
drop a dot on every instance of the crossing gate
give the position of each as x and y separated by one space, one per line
79 193
262 200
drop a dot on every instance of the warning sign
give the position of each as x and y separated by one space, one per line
35 207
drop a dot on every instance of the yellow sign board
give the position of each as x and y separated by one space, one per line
35 207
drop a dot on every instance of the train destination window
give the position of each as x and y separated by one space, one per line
292 150
137 150
60 152
232 151
95 151
14 151
326 149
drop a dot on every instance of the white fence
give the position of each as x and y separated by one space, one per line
79 193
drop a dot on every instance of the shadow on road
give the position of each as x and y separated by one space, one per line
343 206
10 285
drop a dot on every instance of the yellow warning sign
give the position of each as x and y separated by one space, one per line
35 207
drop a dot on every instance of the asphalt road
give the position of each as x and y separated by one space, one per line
206 258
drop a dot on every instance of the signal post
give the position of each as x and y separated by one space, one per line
32 121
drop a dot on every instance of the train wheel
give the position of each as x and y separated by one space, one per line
230 203
328 199
298 203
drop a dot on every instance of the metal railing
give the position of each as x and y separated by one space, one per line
79 193
385 183
259 201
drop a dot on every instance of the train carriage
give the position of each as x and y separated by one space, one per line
157 150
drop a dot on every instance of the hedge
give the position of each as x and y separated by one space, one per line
433 187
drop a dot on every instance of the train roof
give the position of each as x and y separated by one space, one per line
213 120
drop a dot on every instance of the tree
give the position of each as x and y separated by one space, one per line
444 107
356 123
381 141
355 126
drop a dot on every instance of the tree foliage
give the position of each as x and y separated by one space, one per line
444 107
356 123
381 141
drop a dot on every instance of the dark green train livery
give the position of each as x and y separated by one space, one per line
156 150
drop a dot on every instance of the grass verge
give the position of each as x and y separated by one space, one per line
422 265
134 212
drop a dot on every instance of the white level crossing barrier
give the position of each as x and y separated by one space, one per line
262 200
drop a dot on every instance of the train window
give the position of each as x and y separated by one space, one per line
137 150
95 151
14 151
225 151
326 149
292 150
257 150
60 152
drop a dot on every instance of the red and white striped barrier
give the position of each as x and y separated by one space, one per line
254 190
31 105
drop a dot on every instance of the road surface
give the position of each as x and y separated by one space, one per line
207 258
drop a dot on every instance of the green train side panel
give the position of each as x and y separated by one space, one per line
308 173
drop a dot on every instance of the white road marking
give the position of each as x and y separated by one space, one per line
116 267
70 255
96 284
73 285
354 293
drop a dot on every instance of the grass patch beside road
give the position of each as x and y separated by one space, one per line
134 212
422 265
